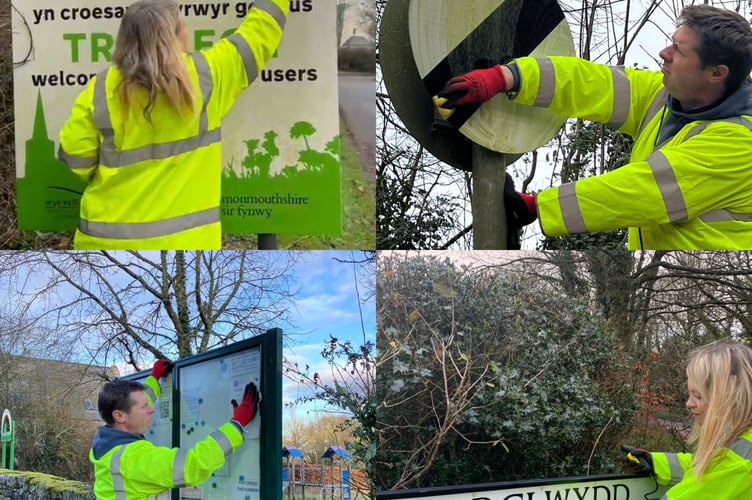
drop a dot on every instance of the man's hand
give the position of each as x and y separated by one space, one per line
475 87
245 412
520 207
161 368
638 459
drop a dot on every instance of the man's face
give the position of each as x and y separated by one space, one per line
697 404
138 419
683 75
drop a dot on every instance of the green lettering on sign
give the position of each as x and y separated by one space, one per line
74 38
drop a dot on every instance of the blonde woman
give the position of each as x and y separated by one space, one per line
145 133
719 380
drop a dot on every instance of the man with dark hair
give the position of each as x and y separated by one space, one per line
128 467
688 184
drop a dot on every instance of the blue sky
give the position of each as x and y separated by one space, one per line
327 304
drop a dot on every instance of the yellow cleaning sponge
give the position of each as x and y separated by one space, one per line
444 113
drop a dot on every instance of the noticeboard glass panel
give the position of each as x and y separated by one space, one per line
205 393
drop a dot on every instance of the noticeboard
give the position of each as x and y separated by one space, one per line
280 142
196 400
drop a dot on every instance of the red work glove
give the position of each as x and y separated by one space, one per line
529 200
638 459
245 412
520 211
475 87
161 368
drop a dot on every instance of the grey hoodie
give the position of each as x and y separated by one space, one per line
738 103
107 438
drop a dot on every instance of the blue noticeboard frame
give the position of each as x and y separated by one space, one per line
269 449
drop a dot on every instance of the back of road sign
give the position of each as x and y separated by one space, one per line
449 38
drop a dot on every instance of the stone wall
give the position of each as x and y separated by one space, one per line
19 485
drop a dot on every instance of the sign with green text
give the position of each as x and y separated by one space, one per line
280 143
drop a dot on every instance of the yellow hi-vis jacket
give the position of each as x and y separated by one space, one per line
693 191
128 467
158 185
727 477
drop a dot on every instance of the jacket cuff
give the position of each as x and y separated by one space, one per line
517 80
238 426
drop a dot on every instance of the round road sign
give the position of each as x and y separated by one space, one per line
450 37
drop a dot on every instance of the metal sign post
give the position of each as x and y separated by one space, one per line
267 242
489 214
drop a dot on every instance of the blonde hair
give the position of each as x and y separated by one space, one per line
722 374
149 54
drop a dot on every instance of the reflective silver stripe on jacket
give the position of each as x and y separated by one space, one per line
622 97
668 184
74 162
150 392
570 209
273 10
249 61
657 105
722 215
737 120
140 230
677 472
102 118
743 448
160 151
223 441
118 484
206 84
547 85
178 468
240 43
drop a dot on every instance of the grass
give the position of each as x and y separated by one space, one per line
358 208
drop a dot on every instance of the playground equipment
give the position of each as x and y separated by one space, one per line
7 437
330 481
336 489
291 455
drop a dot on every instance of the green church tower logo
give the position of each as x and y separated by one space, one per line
49 194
